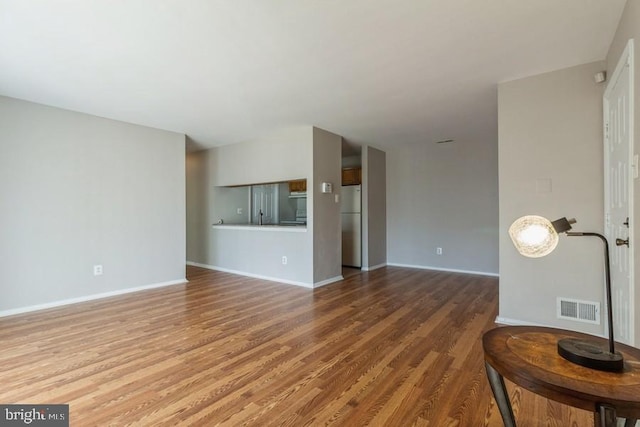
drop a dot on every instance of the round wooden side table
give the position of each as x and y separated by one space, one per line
528 357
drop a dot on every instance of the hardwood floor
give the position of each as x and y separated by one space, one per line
392 347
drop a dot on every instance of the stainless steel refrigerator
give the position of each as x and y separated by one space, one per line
351 226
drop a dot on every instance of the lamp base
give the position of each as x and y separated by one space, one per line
590 355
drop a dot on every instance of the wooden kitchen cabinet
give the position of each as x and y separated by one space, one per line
298 186
352 176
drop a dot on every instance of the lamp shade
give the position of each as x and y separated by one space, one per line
533 236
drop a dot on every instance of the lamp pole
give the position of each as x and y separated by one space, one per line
607 271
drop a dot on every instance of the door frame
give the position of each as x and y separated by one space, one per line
626 59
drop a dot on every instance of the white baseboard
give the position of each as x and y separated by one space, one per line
507 321
516 322
86 298
375 267
197 264
328 281
451 270
255 276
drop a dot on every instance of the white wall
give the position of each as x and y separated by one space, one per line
327 231
228 201
287 154
295 153
550 131
629 28
444 195
78 190
374 208
352 161
281 156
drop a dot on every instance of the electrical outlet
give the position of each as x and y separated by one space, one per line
438 251
97 270
239 211
284 260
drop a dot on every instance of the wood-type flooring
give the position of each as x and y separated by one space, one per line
391 347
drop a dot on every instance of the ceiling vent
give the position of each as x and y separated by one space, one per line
578 310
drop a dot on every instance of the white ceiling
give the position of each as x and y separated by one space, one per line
377 72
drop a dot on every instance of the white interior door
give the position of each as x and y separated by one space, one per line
264 198
619 176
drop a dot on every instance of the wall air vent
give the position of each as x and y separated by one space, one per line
578 310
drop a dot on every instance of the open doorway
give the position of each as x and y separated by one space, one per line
351 208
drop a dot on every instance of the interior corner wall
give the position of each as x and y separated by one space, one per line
327 231
444 196
374 208
629 28
551 164
79 190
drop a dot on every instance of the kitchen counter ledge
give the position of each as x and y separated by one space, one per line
266 227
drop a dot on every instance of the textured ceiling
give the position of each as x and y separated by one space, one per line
377 72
